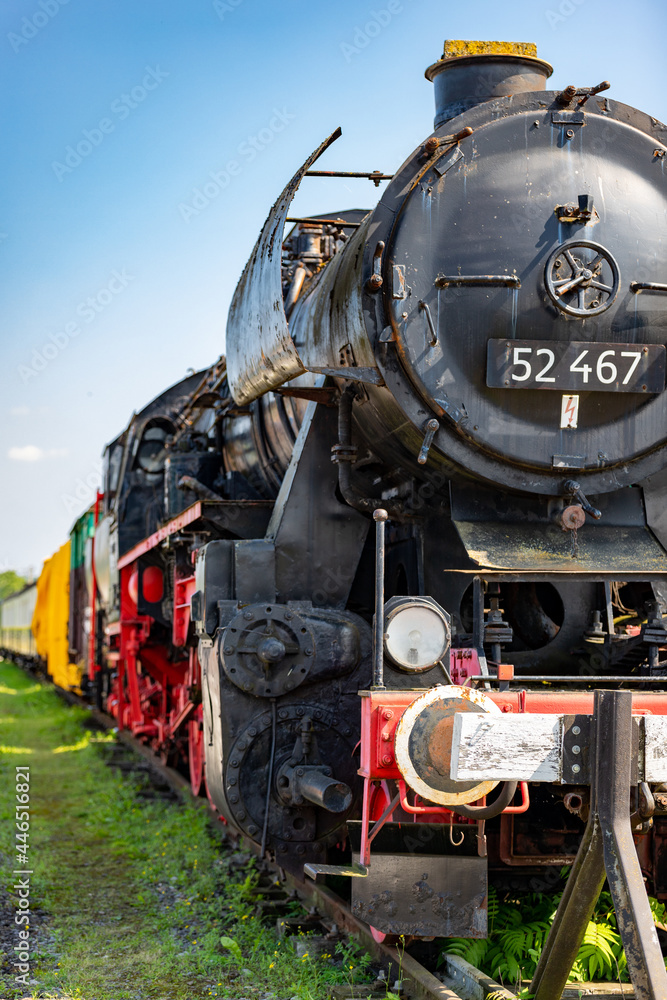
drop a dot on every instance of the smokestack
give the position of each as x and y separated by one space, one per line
471 72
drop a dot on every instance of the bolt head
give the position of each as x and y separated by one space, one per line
576 769
387 759
387 714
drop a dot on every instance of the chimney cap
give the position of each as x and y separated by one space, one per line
457 50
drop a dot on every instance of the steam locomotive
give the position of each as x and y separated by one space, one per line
428 480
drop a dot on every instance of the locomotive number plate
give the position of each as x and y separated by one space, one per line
580 367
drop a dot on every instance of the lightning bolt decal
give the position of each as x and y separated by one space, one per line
569 411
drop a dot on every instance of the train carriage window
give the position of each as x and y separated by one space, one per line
114 458
151 451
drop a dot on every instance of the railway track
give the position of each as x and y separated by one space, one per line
324 910
329 916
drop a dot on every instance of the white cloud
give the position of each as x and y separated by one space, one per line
20 411
31 453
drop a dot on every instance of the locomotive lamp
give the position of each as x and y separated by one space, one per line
417 633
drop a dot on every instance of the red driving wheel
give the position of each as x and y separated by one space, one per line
196 750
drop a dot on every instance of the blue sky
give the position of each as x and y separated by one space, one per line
112 287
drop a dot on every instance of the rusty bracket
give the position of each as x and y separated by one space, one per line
434 142
328 395
566 96
374 283
374 175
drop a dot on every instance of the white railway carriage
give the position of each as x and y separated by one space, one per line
16 611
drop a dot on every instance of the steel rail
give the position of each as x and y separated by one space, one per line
417 981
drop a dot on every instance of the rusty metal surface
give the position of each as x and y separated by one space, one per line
534 547
260 350
328 322
423 744
423 894
472 983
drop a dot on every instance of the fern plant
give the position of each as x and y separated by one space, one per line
518 928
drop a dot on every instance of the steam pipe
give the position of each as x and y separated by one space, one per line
328 793
494 809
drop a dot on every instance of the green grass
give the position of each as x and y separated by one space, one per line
140 897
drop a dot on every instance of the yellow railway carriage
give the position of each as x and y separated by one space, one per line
51 618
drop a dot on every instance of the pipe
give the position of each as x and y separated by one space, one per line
200 491
328 793
494 809
294 292
380 517
344 454
525 801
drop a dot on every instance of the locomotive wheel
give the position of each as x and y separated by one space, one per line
196 751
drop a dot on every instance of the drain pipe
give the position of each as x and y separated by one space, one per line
344 453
